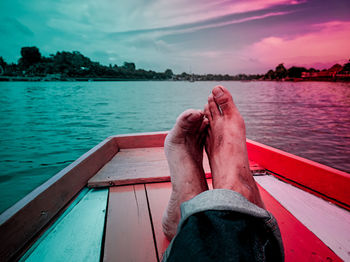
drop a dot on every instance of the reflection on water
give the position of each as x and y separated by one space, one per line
47 125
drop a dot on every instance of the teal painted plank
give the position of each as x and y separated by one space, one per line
77 234
83 192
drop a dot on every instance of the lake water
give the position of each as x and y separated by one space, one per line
47 125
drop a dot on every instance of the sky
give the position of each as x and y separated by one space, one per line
196 36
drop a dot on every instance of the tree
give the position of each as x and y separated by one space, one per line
30 56
346 67
168 73
295 71
313 70
270 75
2 62
281 71
3 65
129 66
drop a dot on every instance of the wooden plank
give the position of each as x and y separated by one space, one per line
48 229
158 198
139 140
141 165
300 244
20 223
332 225
324 181
129 231
77 235
131 166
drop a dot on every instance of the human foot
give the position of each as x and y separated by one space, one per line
183 148
226 146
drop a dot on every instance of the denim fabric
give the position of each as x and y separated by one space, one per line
222 225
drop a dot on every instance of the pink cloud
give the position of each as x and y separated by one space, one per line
218 24
328 44
174 12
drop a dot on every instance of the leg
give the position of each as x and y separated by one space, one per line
228 223
226 147
184 151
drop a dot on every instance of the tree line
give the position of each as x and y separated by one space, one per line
67 65
74 65
293 72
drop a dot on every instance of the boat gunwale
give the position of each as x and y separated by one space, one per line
321 180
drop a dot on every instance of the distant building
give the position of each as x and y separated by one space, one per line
331 73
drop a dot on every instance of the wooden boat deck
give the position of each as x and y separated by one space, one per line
133 229
119 217
299 242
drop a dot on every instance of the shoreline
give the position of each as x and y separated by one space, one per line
105 79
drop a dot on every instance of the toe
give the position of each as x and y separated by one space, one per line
203 130
207 113
223 99
204 125
213 107
190 120
187 123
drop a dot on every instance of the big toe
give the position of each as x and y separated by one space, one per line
188 123
190 120
223 99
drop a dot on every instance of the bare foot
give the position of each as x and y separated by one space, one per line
226 146
184 151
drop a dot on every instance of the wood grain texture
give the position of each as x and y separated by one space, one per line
131 166
142 165
139 140
77 235
20 223
327 221
129 231
325 181
158 197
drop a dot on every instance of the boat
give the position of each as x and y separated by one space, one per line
108 204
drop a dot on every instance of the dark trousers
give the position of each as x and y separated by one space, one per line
225 236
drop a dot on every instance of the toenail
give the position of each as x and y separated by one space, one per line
192 117
217 92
